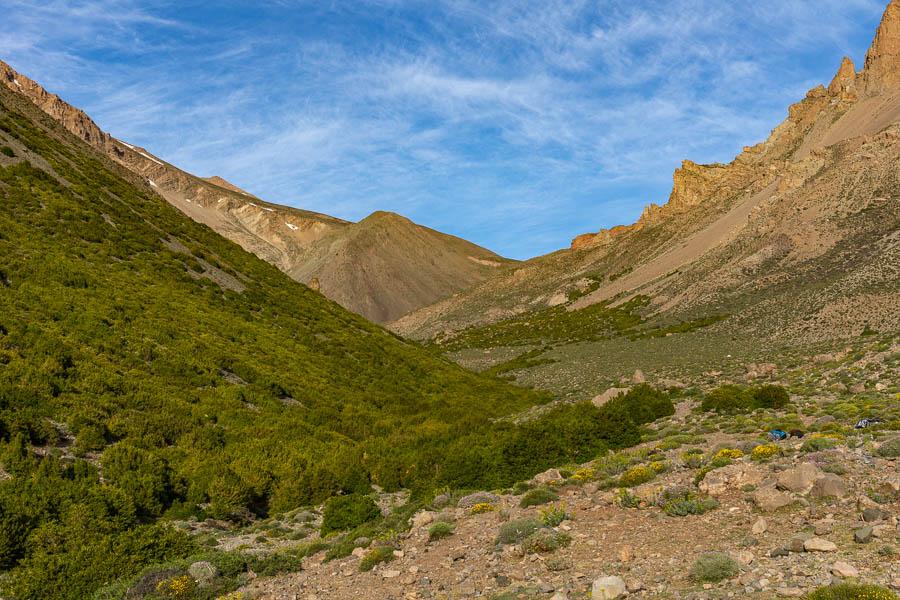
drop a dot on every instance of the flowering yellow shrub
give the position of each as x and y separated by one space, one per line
764 452
482 508
177 588
729 453
636 476
659 466
583 475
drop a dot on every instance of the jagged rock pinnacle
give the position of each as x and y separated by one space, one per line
844 82
882 70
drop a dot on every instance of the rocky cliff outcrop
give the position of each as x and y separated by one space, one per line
806 127
882 68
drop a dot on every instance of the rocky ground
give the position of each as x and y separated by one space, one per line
819 510
783 518
785 535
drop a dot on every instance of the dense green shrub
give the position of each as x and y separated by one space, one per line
346 512
537 497
771 396
7 151
713 567
734 399
727 399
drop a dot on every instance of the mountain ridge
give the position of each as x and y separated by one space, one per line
801 203
287 237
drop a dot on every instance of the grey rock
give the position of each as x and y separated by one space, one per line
798 542
769 499
477 498
800 479
863 536
829 486
819 545
608 588
843 569
870 515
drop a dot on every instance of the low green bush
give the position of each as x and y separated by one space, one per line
7 151
440 530
544 541
712 567
688 504
521 487
817 444
537 497
554 515
380 554
515 531
346 512
890 448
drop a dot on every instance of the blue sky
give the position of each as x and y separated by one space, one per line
514 124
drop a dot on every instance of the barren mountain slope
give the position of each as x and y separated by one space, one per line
798 236
382 278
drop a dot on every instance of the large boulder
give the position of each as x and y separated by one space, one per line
547 476
477 498
829 486
799 480
817 544
608 588
769 499
730 478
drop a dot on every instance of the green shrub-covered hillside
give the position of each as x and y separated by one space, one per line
151 369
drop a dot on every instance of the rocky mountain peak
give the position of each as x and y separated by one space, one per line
844 82
882 70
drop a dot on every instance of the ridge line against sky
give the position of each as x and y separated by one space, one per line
516 127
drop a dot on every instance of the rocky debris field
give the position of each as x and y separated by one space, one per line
705 508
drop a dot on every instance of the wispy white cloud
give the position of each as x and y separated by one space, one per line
517 124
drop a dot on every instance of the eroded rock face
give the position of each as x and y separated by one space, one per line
882 69
844 83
